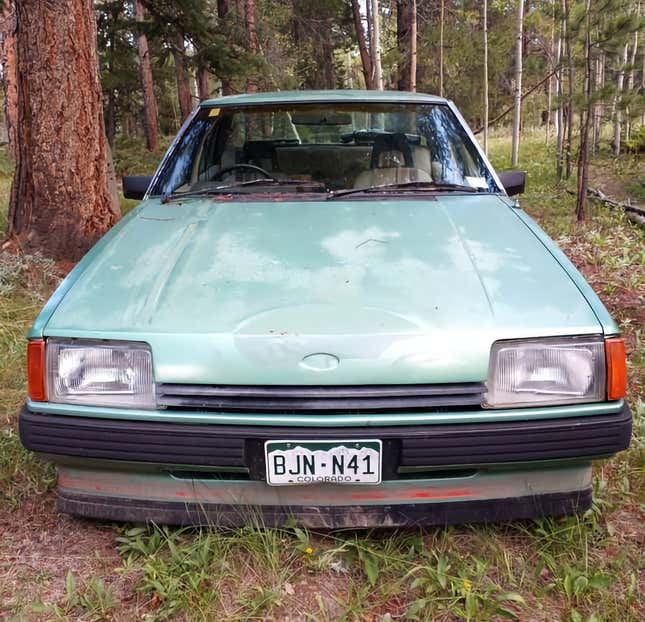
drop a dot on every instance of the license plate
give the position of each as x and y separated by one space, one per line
327 462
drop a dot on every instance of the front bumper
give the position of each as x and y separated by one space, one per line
235 446
179 473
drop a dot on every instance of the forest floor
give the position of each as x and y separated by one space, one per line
578 569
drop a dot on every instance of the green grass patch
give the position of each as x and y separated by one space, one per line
25 283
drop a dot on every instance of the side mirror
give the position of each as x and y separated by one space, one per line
135 186
513 182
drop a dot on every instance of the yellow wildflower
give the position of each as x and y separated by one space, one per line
467 584
309 550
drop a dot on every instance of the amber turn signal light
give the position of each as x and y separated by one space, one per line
36 370
616 368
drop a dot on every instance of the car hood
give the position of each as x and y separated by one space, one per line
396 291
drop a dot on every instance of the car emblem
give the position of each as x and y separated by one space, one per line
320 361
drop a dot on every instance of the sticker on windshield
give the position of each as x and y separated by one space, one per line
213 112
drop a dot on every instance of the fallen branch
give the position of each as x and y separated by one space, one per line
634 213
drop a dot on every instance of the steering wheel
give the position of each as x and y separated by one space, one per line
251 167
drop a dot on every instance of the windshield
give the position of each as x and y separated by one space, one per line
322 148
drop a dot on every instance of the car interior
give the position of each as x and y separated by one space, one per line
322 148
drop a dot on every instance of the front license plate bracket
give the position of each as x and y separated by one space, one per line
303 462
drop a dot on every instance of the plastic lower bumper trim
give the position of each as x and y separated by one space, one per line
466 444
325 517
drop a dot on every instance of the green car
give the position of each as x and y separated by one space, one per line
326 308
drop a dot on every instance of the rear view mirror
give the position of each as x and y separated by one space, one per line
135 186
321 117
513 182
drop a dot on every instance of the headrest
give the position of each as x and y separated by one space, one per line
390 159
391 143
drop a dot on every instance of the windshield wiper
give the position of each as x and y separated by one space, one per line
264 181
424 185
174 196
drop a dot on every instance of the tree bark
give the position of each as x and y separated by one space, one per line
441 18
406 38
60 198
599 82
178 47
631 76
250 21
222 12
324 47
366 61
643 83
10 74
413 46
570 87
518 84
583 151
618 115
150 114
485 28
559 115
375 42
549 89
203 85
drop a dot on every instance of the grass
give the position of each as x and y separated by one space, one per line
577 569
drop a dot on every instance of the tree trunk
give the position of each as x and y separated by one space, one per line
110 108
178 47
413 46
325 52
549 84
518 84
406 38
222 12
570 87
402 42
203 86
250 21
559 114
60 198
147 84
10 74
599 82
583 152
441 18
485 28
618 115
643 84
375 41
631 76
366 61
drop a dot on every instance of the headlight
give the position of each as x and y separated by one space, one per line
563 370
99 373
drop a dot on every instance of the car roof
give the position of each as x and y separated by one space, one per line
335 96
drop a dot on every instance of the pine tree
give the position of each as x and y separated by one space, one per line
60 197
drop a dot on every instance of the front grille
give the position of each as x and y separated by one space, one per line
302 399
